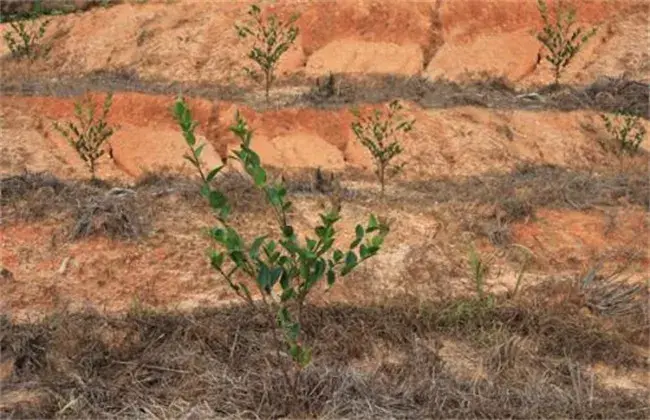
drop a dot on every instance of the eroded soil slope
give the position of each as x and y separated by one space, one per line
490 167
195 40
522 174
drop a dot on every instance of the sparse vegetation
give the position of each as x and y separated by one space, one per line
477 307
24 37
271 39
90 134
286 262
12 10
626 132
479 269
561 41
381 136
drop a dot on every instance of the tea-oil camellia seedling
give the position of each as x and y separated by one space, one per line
272 38
283 269
381 136
90 133
626 131
24 37
560 40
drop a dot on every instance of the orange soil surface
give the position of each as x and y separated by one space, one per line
450 142
169 269
194 40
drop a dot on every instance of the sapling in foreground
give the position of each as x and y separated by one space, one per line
282 267
90 133
271 39
559 38
381 136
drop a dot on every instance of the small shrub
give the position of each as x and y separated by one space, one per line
626 131
272 38
23 37
294 265
560 40
381 137
90 134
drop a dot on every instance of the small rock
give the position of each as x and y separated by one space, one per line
119 192
6 274
64 265
534 96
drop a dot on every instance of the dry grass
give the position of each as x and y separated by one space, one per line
606 94
216 363
115 214
16 9
540 185
487 205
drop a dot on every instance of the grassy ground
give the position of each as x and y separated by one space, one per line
523 358
533 354
520 191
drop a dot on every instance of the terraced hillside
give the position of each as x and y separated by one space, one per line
111 308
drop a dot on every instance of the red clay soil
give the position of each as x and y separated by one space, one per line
169 269
576 238
195 40
467 141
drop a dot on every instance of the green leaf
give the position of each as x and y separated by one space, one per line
224 211
304 357
259 176
355 243
364 252
350 258
338 256
198 150
287 231
218 235
214 173
317 273
359 232
350 263
377 241
275 274
287 294
331 278
263 278
373 224
192 160
255 247
217 199
216 259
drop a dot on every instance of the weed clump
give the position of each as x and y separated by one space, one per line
18 186
114 214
